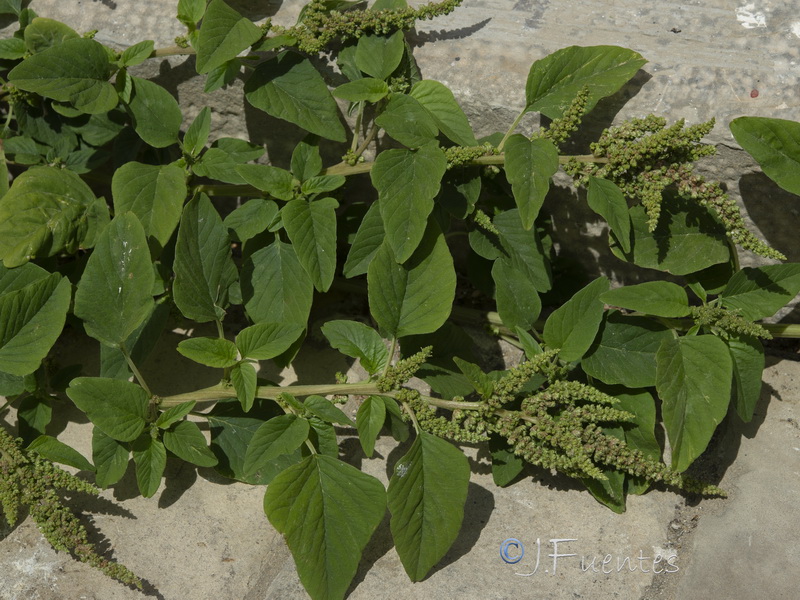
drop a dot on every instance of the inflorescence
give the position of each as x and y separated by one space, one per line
27 479
644 157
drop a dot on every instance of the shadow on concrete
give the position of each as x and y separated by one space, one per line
420 38
775 212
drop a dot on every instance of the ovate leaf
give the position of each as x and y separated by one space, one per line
311 227
758 292
506 465
426 498
212 352
327 411
368 239
573 325
328 511
174 414
204 269
245 382
118 408
276 182
275 287
365 89
156 114
54 450
265 340
379 55
607 200
748 366
251 218
775 144
41 34
289 87
45 211
407 182
223 35
110 458
694 382
114 294
517 298
150 457
281 435
31 319
406 121
359 341
529 166
658 298
437 99
136 54
197 134
554 81
75 71
369 421
155 194
417 296
186 441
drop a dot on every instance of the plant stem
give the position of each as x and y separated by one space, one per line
511 129
389 359
172 51
135 371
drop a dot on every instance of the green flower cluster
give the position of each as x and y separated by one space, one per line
27 479
559 428
560 129
461 155
403 370
728 320
319 25
643 157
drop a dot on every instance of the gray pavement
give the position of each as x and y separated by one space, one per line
202 537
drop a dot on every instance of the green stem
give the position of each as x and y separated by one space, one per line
357 126
388 365
511 129
411 414
172 51
135 371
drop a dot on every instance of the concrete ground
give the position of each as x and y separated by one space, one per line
204 537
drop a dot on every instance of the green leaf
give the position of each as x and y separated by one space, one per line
118 408
251 218
136 54
405 120
506 465
397 426
323 437
482 382
747 354
640 433
365 89
327 411
231 433
775 144
311 227
56 451
156 115
31 319
417 296
322 183
186 441
155 194
407 182
687 239
359 341
275 287
437 99
34 413
41 34
369 421
139 344
110 458
174 414
573 326
222 160
191 11
607 200
204 268
75 71
150 457
426 497
224 34
10 7
517 298
12 48
658 298
694 382
609 491
306 159
524 248
197 134
276 182
46 211
265 340
367 241
554 81
625 351
280 435
222 75
289 87
758 292
245 382
114 294
328 511
379 55
212 352
529 166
